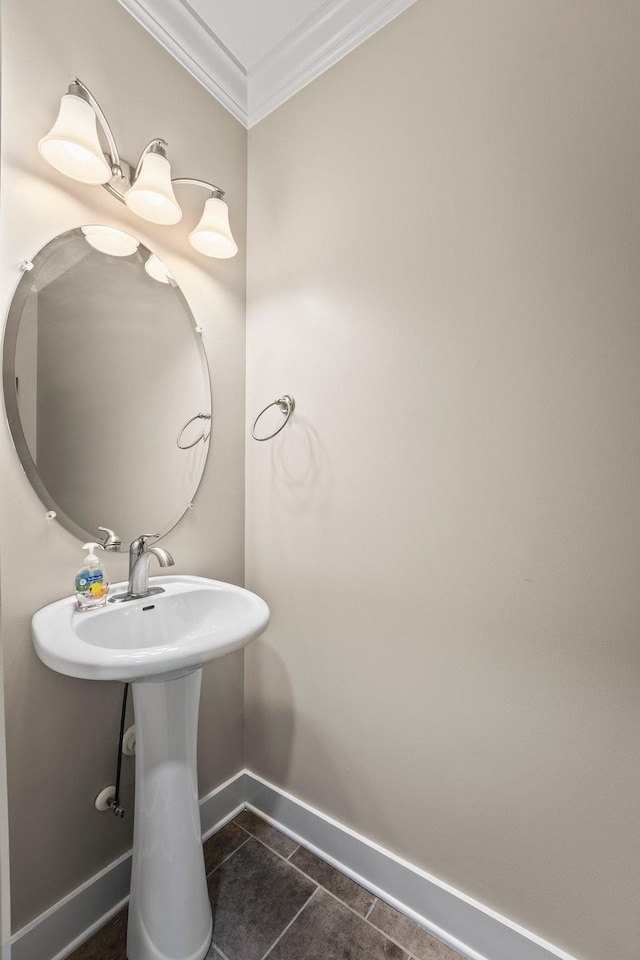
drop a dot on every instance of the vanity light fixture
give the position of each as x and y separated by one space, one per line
212 236
151 193
73 147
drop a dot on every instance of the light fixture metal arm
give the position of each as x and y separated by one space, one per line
79 89
215 191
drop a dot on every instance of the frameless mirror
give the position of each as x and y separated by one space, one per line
103 368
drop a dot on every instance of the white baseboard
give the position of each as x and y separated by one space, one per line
64 926
467 926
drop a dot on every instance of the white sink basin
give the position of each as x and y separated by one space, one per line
194 620
160 643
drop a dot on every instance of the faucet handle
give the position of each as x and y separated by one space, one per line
144 537
138 546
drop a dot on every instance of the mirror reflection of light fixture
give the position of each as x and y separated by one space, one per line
111 240
73 147
157 270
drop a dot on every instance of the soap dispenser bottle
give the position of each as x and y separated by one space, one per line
91 582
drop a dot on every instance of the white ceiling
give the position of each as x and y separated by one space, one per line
250 29
252 55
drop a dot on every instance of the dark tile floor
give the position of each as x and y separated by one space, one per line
273 899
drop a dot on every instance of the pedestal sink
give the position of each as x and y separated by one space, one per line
159 644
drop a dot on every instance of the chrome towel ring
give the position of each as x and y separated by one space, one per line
203 437
286 405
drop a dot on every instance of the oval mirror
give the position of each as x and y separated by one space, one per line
103 368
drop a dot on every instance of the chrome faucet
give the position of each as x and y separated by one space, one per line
139 558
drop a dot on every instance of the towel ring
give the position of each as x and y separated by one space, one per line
187 446
286 405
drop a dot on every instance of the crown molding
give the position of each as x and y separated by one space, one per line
187 37
319 42
309 50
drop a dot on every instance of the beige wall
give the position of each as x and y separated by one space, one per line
62 733
443 269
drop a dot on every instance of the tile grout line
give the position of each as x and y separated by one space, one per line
291 922
369 923
383 933
229 855
370 910
244 829
338 900
397 943
331 894
293 865
264 842
219 951
391 938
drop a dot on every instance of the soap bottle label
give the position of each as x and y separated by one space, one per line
91 584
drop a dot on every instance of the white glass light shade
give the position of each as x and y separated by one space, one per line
152 196
72 145
156 269
212 236
110 240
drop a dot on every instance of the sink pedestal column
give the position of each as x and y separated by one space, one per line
169 909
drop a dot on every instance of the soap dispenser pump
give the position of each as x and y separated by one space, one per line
91 581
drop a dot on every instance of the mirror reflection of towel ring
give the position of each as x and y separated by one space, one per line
286 405
204 437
